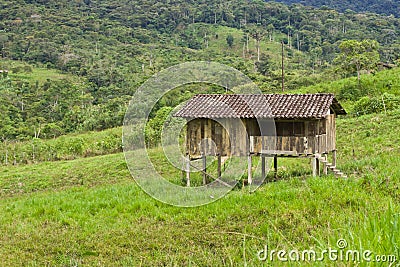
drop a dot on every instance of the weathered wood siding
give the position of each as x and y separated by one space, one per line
225 137
239 137
331 132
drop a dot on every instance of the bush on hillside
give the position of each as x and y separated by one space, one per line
368 105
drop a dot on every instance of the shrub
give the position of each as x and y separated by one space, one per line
368 105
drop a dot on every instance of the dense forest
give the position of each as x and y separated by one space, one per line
106 49
387 7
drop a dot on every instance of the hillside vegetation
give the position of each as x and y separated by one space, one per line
387 7
378 93
104 50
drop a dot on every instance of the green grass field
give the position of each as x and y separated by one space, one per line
19 70
90 212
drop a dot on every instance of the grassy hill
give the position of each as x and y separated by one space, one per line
66 195
89 211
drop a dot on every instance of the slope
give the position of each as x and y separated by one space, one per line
89 211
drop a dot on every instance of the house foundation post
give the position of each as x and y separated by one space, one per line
204 159
314 166
334 158
249 167
188 171
262 167
219 165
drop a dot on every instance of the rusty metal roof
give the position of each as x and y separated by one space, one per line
278 106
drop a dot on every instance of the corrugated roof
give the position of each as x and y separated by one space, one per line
279 106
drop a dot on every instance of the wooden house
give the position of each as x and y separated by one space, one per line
269 125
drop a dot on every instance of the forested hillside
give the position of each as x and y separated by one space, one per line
69 61
67 72
388 7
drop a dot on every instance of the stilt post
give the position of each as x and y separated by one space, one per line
219 165
314 166
188 171
249 167
262 167
204 158
334 158
326 166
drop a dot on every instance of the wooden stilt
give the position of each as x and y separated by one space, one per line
188 171
275 167
318 167
204 169
219 165
249 173
325 166
314 166
334 158
262 167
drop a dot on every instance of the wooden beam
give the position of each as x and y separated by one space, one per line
276 166
188 171
280 152
314 166
262 167
219 165
249 172
326 166
334 158
204 159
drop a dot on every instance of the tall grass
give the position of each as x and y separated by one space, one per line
61 148
89 211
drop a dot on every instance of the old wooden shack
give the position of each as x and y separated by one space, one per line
267 125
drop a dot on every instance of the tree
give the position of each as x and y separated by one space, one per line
229 40
271 29
265 64
358 55
258 34
155 125
3 41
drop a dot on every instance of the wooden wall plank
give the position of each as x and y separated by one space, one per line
230 138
